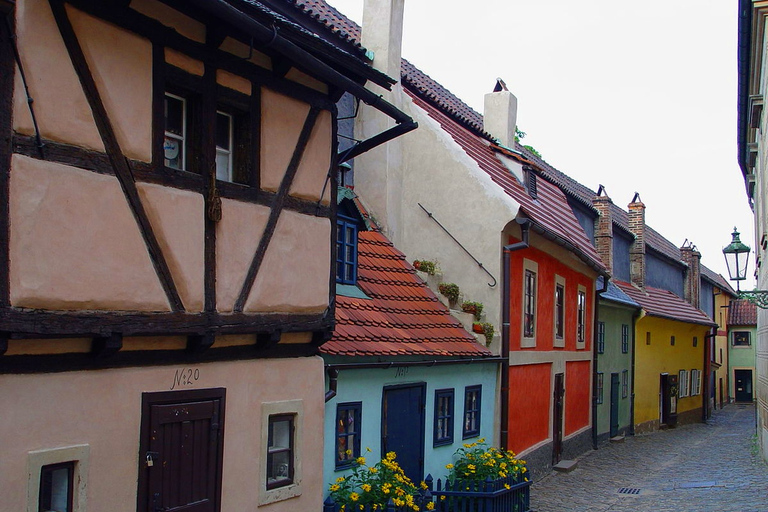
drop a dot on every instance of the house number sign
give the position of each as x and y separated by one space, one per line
185 377
401 371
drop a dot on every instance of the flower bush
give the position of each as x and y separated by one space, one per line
374 485
450 290
476 308
430 267
476 462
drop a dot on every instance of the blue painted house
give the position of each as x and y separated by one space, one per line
402 374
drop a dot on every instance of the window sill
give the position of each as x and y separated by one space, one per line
528 343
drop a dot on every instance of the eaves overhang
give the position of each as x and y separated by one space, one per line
566 244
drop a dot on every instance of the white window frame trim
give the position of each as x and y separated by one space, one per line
79 454
683 382
581 345
292 490
559 342
530 342
183 138
229 151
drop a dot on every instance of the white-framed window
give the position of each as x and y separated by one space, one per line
57 479
530 294
281 439
599 388
559 320
175 142
695 382
581 318
225 128
682 383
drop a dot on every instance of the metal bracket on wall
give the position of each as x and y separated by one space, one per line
479 264
757 297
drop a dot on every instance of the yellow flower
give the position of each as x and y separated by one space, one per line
506 486
471 467
373 470
423 485
340 479
354 496
361 460
334 488
449 466
348 452
391 455
366 487
430 505
367 449
362 506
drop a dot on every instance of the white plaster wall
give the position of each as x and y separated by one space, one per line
102 409
434 171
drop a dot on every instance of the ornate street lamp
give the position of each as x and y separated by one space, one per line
736 259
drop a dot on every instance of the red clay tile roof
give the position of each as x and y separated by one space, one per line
742 312
402 317
665 304
549 211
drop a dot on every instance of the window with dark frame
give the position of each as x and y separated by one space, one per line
581 317
600 337
472 396
529 307
347 433
559 311
624 383
346 250
624 339
56 483
280 451
599 388
741 339
443 433
682 383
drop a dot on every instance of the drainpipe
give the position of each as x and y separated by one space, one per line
333 382
594 360
637 316
706 378
525 225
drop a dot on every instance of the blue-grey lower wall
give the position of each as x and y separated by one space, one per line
366 386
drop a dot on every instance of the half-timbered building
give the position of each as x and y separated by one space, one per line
168 239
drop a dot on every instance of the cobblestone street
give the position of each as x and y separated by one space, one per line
707 467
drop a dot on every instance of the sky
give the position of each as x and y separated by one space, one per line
636 96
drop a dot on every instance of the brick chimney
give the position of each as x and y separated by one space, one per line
500 114
637 249
604 227
692 257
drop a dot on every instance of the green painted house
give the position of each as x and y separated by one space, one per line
742 331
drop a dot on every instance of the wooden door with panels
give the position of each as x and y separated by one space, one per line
181 451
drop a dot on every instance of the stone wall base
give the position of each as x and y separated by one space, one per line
683 418
539 461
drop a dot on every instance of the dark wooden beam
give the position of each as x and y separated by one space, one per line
22 324
198 343
116 156
30 364
320 337
143 172
4 336
7 71
281 66
107 346
255 119
277 207
158 108
268 340
6 7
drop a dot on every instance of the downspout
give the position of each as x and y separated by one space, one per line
637 316
707 370
270 37
525 225
333 383
595 333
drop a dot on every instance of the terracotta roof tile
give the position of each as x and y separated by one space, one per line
664 304
402 317
742 312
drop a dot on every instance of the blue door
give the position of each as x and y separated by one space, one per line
402 427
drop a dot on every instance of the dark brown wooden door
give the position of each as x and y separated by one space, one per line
557 417
180 464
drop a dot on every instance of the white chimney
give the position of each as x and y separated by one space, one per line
500 114
383 34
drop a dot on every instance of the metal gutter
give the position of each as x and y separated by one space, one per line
525 225
269 37
744 63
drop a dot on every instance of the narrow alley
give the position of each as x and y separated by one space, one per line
707 467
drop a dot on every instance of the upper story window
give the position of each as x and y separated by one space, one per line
601 337
624 339
559 311
224 146
175 142
443 417
581 317
741 339
346 250
347 433
472 395
56 484
529 304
